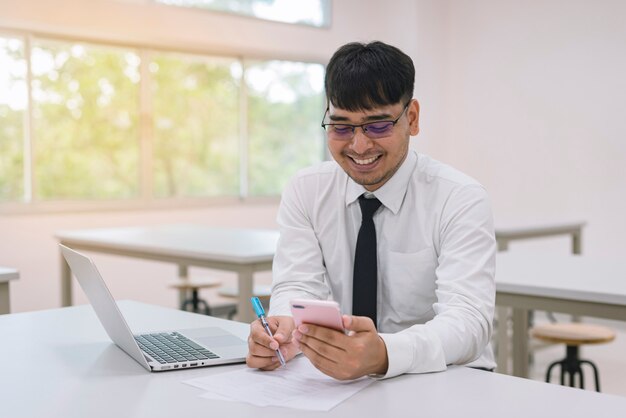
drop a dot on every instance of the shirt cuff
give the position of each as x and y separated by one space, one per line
413 352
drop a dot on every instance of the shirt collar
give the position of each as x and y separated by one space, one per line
392 193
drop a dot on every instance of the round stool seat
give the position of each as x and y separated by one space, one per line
262 292
573 333
190 284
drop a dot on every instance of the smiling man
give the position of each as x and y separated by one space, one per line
401 241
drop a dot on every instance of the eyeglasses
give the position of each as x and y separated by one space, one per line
373 130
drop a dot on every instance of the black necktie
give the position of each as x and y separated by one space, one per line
364 281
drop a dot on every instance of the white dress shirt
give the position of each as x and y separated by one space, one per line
436 258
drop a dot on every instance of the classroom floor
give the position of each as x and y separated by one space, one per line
610 358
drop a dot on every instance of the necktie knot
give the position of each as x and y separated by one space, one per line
368 207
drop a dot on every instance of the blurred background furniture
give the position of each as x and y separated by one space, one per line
573 335
571 284
504 236
261 291
6 275
191 287
225 305
243 251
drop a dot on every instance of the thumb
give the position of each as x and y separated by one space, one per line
284 329
358 323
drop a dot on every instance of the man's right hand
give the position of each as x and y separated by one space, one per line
262 348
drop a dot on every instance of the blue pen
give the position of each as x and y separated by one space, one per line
260 312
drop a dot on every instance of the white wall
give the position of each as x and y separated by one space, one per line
27 241
529 97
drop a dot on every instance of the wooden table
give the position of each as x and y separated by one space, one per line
243 251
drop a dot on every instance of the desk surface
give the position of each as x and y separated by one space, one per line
244 251
574 277
7 274
78 372
538 230
243 246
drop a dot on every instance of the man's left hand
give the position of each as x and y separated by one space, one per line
344 356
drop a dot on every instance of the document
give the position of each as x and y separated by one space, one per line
298 385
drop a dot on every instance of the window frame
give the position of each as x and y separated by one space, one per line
327 7
30 204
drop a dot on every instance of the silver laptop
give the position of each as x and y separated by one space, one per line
159 351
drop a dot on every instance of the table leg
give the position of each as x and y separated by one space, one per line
577 249
520 342
66 283
502 339
245 285
5 301
183 274
577 242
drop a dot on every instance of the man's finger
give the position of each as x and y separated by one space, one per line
263 363
327 335
260 350
259 335
321 348
358 323
284 330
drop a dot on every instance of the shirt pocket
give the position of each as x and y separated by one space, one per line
410 284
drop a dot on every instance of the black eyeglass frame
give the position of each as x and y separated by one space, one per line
363 126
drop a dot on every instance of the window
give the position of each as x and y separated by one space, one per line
283 98
196 125
304 12
13 99
110 123
85 121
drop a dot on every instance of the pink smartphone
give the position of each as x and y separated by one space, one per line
319 312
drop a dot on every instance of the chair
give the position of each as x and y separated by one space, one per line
194 302
263 292
573 335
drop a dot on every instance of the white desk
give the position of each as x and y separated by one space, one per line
573 284
6 274
506 234
244 251
60 363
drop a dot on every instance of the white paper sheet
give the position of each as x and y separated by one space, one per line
299 385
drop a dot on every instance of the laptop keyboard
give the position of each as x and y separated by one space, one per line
172 348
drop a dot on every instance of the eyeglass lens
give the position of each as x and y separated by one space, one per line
372 130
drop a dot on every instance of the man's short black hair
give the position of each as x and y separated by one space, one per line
363 76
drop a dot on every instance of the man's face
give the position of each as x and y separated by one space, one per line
371 162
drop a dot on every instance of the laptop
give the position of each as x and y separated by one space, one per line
157 351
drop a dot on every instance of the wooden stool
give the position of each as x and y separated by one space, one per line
194 301
573 335
263 292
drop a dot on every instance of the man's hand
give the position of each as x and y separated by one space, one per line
359 353
262 348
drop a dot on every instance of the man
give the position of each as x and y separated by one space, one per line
424 298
